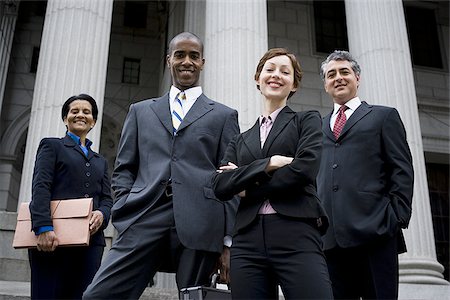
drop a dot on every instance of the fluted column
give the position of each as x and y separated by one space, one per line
235 39
73 60
8 15
174 27
195 17
378 40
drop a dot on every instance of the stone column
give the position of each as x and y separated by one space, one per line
235 39
73 60
195 17
8 17
378 40
175 26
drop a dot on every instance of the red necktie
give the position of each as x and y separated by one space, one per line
340 121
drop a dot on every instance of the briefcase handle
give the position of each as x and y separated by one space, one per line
214 278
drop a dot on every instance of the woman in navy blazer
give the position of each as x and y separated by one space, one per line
273 167
67 168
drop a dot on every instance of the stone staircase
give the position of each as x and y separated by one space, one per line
19 290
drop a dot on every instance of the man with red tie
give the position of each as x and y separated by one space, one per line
365 182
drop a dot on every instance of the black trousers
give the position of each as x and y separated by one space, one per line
64 273
277 250
367 272
149 245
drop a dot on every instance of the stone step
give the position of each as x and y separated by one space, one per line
19 290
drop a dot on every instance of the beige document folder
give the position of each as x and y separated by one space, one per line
70 222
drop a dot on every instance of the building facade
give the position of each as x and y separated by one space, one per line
115 51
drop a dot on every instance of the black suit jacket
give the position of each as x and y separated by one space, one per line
290 189
149 155
62 171
366 177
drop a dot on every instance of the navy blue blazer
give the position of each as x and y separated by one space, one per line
290 189
366 178
63 171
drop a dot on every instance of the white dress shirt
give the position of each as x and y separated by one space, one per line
352 105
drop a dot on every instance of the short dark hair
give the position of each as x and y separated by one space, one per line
340 55
184 35
271 53
66 105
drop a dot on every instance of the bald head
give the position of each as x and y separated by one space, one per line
184 36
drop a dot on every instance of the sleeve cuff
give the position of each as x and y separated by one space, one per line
227 241
43 229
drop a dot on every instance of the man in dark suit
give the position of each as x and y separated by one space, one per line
166 213
366 184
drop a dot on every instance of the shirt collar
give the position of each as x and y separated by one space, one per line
351 104
77 139
191 94
272 116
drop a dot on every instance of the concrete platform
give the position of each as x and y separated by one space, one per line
19 290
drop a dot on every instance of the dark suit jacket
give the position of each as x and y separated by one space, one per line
366 177
62 171
290 189
149 155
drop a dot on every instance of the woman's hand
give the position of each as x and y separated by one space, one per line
278 161
231 166
95 222
47 241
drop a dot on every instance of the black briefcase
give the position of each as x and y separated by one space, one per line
202 292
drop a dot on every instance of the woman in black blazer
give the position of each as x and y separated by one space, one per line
67 168
280 220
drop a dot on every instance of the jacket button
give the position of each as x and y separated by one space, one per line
88 164
86 184
335 188
335 166
336 144
88 174
86 195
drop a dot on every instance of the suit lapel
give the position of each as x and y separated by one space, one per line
283 118
359 113
162 110
201 106
69 142
326 126
252 140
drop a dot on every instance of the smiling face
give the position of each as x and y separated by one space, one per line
276 80
341 82
185 62
79 119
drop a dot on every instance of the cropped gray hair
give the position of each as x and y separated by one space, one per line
340 55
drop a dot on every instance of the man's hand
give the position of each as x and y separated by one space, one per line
224 266
95 222
47 241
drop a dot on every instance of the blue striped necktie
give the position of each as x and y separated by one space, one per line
177 112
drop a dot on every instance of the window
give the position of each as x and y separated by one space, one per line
131 70
438 184
34 60
135 14
330 26
423 37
